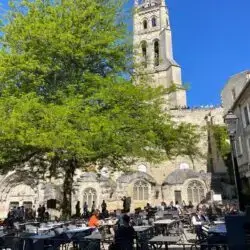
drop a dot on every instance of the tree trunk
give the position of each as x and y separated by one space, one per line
67 188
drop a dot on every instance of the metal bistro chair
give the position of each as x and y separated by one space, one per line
90 244
107 236
178 230
143 238
10 242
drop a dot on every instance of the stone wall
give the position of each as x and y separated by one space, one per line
119 185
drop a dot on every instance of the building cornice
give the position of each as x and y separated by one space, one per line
239 97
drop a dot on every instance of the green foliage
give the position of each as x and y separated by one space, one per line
222 139
65 101
49 45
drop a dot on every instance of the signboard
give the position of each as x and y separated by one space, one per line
217 197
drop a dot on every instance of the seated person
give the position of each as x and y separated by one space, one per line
124 235
171 206
190 205
198 220
233 210
94 219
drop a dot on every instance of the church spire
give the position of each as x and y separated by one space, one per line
153 47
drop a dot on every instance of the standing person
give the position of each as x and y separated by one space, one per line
18 214
43 212
39 212
104 206
178 207
22 213
126 204
78 213
85 210
34 213
93 207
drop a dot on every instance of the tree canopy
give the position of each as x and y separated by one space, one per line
65 99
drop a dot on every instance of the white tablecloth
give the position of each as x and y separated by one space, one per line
164 222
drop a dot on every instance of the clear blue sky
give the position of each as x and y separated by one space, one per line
211 42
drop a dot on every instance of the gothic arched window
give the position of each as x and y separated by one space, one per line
144 53
156 53
145 24
89 195
195 192
141 191
154 22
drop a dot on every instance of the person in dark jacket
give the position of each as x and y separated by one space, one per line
78 209
104 206
126 204
124 235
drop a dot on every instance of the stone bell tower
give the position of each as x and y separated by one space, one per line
153 48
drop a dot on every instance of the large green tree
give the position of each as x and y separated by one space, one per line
66 102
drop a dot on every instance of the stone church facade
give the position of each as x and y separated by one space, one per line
177 180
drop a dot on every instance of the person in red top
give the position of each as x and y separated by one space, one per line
94 219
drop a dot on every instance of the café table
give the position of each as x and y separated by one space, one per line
159 241
139 229
43 230
165 224
218 222
216 234
78 231
4 234
35 242
92 241
94 236
218 229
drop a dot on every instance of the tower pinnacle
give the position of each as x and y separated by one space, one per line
163 3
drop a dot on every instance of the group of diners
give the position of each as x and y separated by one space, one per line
22 214
209 223
123 228
150 225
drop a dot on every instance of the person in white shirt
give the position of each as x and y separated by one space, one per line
198 220
178 207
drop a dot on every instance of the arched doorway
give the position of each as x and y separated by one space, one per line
21 195
89 195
